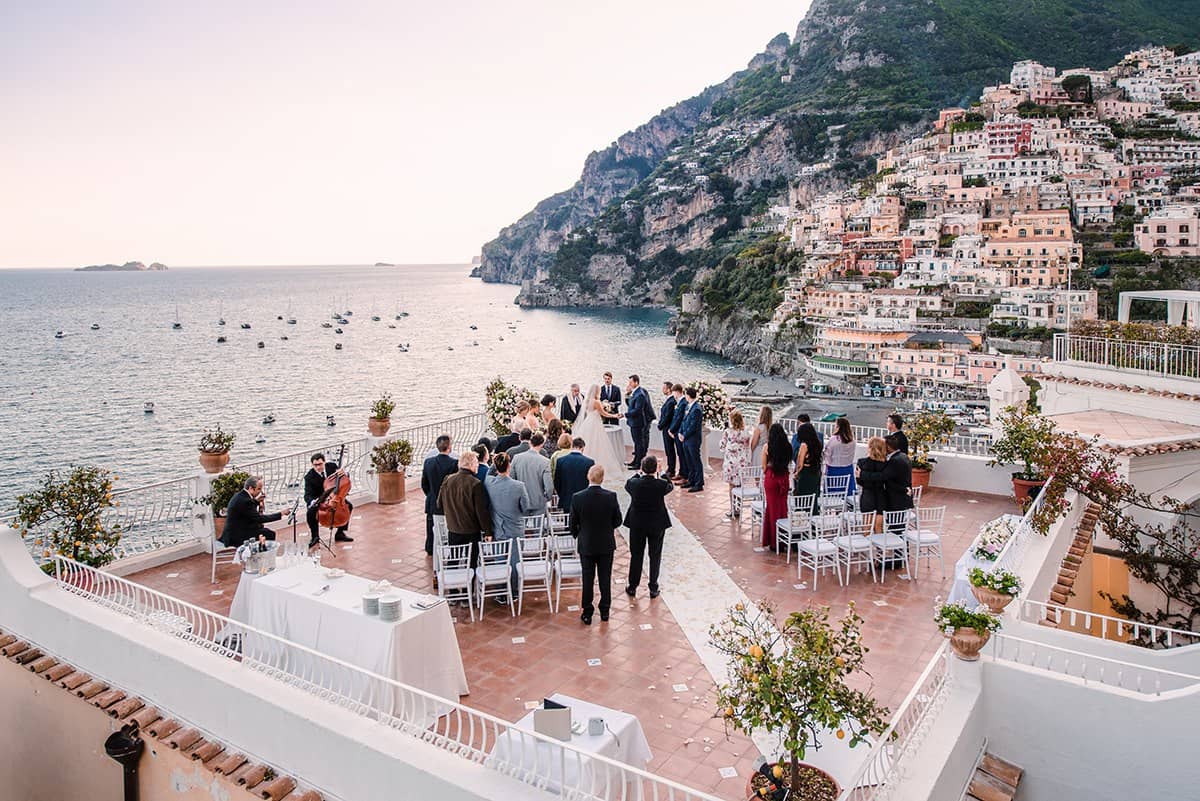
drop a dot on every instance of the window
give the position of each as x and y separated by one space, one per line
1162 229
1183 229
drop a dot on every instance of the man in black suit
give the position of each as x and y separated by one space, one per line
571 473
664 425
244 518
572 403
640 415
314 489
595 515
433 472
895 427
897 478
647 520
611 395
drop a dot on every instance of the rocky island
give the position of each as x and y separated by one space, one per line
127 267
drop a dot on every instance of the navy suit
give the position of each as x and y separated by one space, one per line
570 477
639 417
433 472
681 407
665 416
692 430
610 394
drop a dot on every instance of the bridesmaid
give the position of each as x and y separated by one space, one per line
777 456
758 438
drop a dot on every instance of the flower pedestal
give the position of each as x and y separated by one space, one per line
994 600
213 462
967 643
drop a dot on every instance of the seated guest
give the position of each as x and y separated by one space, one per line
564 447
553 431
509 503
244 518
523 444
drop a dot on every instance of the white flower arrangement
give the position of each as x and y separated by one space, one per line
997 580
715 403
500 403
957 615
992 538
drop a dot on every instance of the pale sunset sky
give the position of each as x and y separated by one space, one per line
232 133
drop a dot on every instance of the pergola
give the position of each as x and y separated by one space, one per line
1183 306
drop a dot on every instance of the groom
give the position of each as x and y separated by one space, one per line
639 415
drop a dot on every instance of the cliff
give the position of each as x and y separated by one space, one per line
127 267
741 338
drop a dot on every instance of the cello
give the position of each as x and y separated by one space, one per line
333 511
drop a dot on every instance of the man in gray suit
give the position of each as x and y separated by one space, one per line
532 469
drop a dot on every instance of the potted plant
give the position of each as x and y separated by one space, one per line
381 415
390 460
220 493
1024 438
214 449
995 589
790 678
65 516
968 629
926 431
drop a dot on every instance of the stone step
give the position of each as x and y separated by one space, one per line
1003 770
1058 598
987 787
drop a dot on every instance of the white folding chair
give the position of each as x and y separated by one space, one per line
749 489
441 536
493 573
820 551
835 485
890 543
456 577
533 570
568 569
797 525
854 543
557 524
925 536
916 496
534 525
221 555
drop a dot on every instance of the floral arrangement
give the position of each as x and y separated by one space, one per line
216 441
392 456
715 403
957 615
65 515
500 403
382 408
998 580
992 537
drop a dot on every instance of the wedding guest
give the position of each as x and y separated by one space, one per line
505 442
523 445
801 420
895 427
691 434
808 461
870 477
564 447
681 406
571 475
777 456
758 439
553 431
532 469
595 515
897 477
572 404
664 426
485 461
548 413
648 520
509 503
735 447
464 503
433 472
839 453
518 420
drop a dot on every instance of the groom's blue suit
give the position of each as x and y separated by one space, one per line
639 415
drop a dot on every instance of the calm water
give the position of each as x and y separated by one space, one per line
79 399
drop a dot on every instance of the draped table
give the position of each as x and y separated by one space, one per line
622 741
419 650
960 590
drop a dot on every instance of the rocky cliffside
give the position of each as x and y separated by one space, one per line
740 338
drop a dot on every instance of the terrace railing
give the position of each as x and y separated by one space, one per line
1151 358
154 516
1089 667
957 443
1108 627
540 761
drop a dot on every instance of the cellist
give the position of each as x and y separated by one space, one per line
314 491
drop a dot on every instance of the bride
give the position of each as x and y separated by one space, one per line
600 445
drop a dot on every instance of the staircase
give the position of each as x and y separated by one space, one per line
1069 568
994 780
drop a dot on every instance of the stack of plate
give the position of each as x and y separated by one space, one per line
370 603
389 608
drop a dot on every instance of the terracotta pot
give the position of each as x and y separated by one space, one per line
218 526
378 427
1023 489
391 487
994 600
213 462
920 477
967 643
751 796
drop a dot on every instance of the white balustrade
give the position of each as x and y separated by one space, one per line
1089 667
968 444
1153 358
1108 627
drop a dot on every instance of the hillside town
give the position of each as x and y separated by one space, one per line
967 244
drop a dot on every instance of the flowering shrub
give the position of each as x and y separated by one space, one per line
992 538
957 615
65 515
715 403
998 580
500 403
216 441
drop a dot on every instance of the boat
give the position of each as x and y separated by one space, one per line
474 328
449 347
262 344
177 326
501 339
221 339
245 326
284 338
348 313
279 317
221 314
391 325
327 325
59 335
270 418
291 321
343 321
337 330
329 420
375 318
335 316
260 439
338 346
95 326
148 407
403 348
830 417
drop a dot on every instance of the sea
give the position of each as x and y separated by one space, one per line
79 399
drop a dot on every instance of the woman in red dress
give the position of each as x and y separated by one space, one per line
777 457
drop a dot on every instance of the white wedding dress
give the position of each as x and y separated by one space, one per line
599 444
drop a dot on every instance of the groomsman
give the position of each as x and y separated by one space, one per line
571 404
672 393
691 434
639 415
681 407
648 521
611 395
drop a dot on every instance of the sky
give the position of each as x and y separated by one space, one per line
233 133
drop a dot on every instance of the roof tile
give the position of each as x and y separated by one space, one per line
183 739
42 664
107 698
278 788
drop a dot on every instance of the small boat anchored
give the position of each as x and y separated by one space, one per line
221 339
148 407
59 335
270 418
95 326
329 421
245 326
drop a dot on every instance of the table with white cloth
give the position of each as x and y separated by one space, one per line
622 741
419 650
961 589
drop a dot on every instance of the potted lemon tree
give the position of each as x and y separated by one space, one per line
390 460
1024 439
215 445
789 678
381 415
65 515
926 431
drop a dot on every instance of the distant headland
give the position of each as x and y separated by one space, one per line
384 264
127 267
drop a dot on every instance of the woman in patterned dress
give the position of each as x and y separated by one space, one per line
735 445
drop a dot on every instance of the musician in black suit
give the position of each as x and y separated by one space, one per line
665 416
314 490
647 520
244 517
595 515
571 473
897 477
433 472
611 394
572 404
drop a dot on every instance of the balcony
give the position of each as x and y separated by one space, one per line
1161 359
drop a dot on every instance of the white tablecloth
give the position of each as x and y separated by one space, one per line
623 741
961 589
420 650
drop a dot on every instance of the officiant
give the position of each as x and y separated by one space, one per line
571 405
